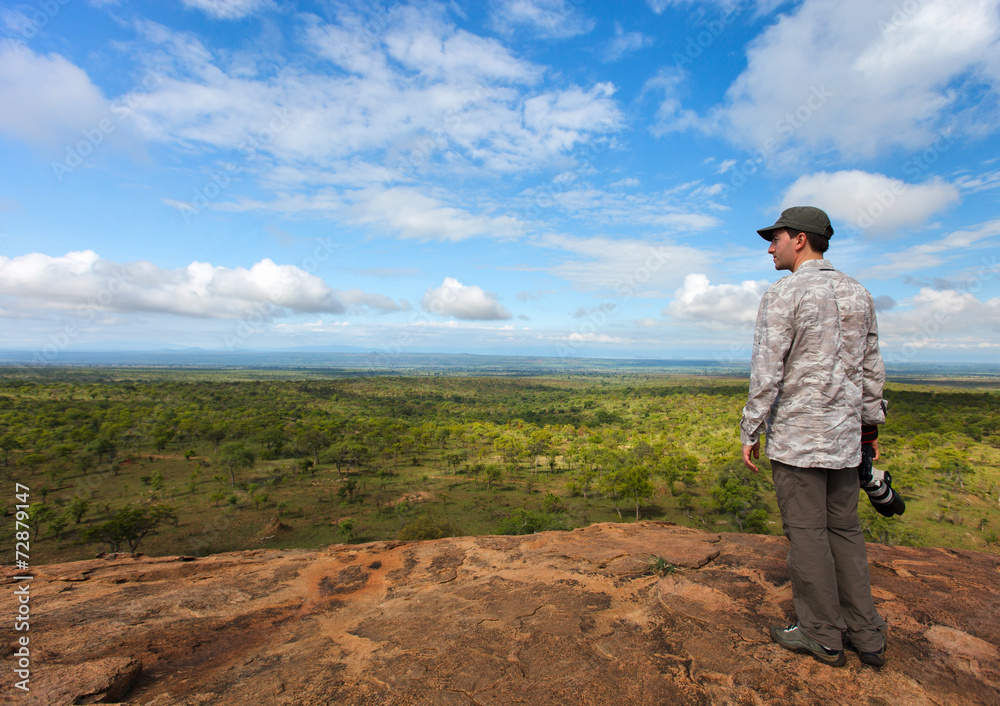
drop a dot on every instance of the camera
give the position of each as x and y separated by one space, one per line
878 485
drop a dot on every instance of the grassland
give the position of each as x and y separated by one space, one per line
321 456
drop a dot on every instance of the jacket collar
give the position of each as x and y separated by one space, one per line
821 264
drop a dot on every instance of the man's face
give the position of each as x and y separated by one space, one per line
782 249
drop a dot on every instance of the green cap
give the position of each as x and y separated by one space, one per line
804 219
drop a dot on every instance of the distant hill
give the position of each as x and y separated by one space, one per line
353 360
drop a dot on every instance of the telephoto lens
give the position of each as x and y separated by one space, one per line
878 485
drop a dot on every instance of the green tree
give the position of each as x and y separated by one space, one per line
273 438
953 465
130 525
456 459
492 474
511 448
162 436
522 521
682 467
552 504
313 440
345 528
215 434
236 457
737 495
630 483
78 508
32 460
103 447
63 451
39 515
347 489
58 523
637 486
85 463
8 443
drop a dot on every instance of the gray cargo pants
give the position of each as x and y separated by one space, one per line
827 563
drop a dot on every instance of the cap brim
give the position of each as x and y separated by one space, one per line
768 233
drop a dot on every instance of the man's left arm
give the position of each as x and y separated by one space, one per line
873 375
872 385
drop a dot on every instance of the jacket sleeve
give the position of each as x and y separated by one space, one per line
772 339
873 375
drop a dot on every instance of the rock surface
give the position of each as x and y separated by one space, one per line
552 618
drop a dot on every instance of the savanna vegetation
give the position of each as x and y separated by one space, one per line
202 461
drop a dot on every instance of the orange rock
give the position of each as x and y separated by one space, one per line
551 618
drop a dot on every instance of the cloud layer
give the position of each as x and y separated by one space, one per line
82 281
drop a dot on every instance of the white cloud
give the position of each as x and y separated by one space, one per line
671 116
227 9
939 320
577 337
658 6
560 119
979 182
318 326
936 252
426 43
627 268
416 95
357 300
679 210
556 19
861 78
461 301
624 42
873 203
717 306
84 283
323 201
47 100
407 213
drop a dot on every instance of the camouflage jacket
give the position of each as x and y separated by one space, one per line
816 372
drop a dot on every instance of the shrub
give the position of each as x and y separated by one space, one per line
552 504
428 528
523 521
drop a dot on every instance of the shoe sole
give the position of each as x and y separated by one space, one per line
838 661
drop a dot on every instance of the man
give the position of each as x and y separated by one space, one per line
816 377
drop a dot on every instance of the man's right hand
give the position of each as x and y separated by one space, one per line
751 450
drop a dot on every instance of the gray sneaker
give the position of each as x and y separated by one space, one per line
792 638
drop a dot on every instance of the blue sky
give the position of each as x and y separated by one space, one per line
546 177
